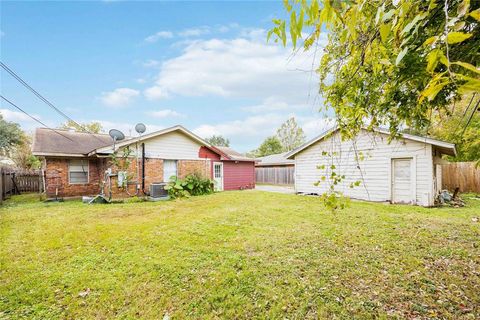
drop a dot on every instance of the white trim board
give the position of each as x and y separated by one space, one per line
442 144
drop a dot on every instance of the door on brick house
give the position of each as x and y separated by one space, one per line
169 169
218 175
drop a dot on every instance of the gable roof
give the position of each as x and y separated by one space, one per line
66 143
232 154
124 143
444 147
58 142
275 159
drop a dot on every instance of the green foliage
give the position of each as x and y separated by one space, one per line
393 62
453 128
270 145
218 141
16 145
11 136
122 161
93 127
333 199
192 185
23 157
290 135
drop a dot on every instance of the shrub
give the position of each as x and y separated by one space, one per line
192 185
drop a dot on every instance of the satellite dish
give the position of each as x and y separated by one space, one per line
116 135
140 128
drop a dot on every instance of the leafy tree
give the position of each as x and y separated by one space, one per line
23 157
218 141
290 135
392 63
11 136
93 127
270 145
454 128
388 62
16 145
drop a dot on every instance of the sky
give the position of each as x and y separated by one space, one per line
204 65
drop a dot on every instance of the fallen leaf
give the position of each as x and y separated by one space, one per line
85 293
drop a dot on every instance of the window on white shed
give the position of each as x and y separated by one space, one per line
78 171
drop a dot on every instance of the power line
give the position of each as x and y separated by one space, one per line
471 116
465 112
32 117
36 93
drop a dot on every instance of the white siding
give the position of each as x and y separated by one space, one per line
173 145
375 172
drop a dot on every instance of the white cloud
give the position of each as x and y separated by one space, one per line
119 97
151 63
314 126
159 35
243 132
166 113
17 116
246 67
155 93
27 123
273 104
247 134
195 32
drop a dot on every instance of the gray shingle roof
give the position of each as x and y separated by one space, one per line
50 142
274 159
234 155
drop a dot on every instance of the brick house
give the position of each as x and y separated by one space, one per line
79 164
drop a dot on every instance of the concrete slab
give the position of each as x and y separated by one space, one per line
274 188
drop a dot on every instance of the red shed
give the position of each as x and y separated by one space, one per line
230 169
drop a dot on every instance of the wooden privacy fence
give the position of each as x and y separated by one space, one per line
461 174
275 175
14 181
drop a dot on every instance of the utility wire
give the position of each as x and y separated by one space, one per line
36 93
475 109
32 117
465 112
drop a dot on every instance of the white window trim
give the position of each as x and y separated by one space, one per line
167 179
88 173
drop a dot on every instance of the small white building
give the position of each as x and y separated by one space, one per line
405 170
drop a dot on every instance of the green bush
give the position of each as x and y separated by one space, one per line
192 185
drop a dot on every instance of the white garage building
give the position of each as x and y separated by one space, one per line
405 170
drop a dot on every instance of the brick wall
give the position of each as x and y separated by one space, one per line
186 167
153 173
56 172
121 192
56 178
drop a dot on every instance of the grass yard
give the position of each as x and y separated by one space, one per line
246 254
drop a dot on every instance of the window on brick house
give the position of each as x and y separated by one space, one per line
78 171
169 169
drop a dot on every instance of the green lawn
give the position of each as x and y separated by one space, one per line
247 254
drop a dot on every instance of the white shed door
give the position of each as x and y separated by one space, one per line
402 181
